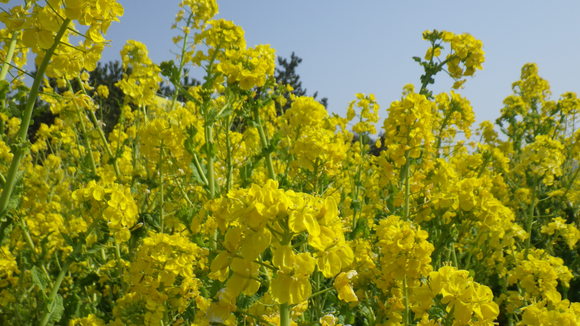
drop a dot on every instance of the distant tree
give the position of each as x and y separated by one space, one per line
286 75
109 74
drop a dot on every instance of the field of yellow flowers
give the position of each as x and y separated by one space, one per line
233 202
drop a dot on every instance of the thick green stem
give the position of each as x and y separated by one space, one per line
53 294
20 150
9 55
285 314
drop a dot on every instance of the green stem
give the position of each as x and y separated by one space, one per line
406 170
181 60
440 133
27 236
84 130
407 316
199 169
102 135
210 159
284 314
571 183
88 144
210 153
53 294
20 150
530 222
357 208
182 190
9 55
161 199
454 256
321 291
229 165
118 251
265 145
105 143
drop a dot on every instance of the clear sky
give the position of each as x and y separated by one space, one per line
366 46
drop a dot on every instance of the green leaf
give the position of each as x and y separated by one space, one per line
38 278
56 310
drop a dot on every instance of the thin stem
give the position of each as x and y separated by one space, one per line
102 135
454 256
571 183
199 169
84 130
321 291
103 138
357 209
161 199
53 294
440 133
210 159
181 59
407 310
530 221
229 165
265 145
182 190
406 170
26 117
27 236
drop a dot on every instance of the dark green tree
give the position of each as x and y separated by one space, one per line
286 74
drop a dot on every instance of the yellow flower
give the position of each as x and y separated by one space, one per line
286 288
467 299
103 91
342 284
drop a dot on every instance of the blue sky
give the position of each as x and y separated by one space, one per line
366 46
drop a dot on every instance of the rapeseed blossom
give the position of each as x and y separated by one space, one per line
233 201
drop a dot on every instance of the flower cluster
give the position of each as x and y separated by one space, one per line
470 302
233 200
